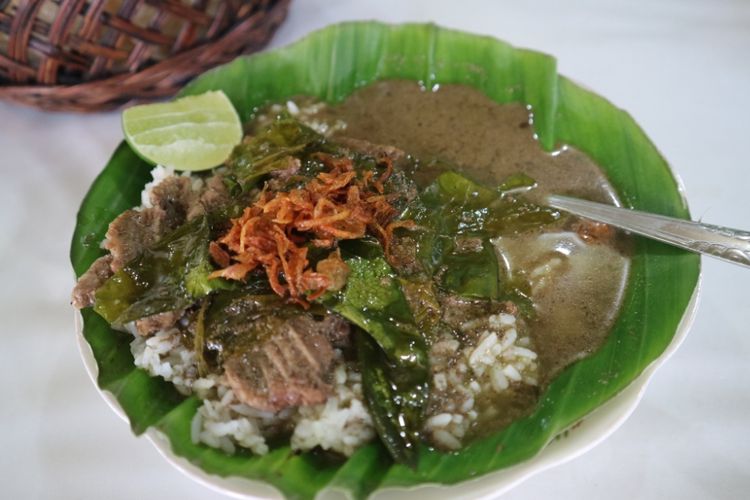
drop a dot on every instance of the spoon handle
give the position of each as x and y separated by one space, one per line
731 245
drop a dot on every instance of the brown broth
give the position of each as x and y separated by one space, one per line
459 126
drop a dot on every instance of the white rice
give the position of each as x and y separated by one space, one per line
163 355
341 424
541 275
440 420
499 359
218 424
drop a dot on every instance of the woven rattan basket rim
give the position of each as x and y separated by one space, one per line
159 80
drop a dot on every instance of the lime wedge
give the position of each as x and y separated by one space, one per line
191 133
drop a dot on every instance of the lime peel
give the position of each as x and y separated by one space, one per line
190 133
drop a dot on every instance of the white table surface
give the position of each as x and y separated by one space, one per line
681 67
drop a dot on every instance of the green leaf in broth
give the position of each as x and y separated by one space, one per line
382 395
373 300
456 218
454 189
168 276
422 297
329 65
270 149
454 204
472 273
372 289
394 362
518 182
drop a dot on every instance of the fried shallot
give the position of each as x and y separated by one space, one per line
275 231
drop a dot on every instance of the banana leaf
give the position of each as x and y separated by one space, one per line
329 65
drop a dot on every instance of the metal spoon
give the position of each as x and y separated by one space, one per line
727 244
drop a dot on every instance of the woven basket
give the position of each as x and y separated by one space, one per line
77 55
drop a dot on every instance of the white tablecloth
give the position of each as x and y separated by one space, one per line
681 67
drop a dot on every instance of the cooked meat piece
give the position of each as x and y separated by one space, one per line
175 196
292 367
335 269
292 167
279 179
214 195
173 202
466 315
399 182
510 308
399 186
132 231
469 244
336 329
470 317
151 324
375 150
219 255
457 310
90 281
594 232
402 255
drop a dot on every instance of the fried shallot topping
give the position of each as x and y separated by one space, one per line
273 232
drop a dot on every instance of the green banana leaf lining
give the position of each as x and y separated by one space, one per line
329 65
